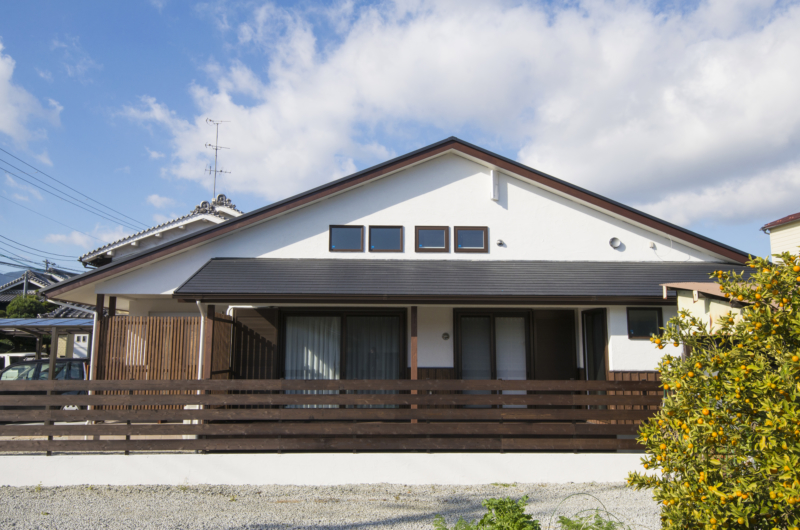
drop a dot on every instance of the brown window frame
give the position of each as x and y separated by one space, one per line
330 238
483 250
402 238
628 321
446 239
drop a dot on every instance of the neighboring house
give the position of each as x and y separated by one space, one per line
784 234
204 215
471 265
29 282
704 301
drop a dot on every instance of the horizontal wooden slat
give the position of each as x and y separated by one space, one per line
326 444
325 415
329 399
324 429
296 384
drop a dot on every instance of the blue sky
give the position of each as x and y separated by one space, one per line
685 110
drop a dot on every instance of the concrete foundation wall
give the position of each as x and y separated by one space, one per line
311 469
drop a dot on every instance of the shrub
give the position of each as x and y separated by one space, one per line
726 441
501 514
27 307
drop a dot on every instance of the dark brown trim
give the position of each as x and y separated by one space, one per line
330 238
402 238
440 250
485 231
628 319
423 299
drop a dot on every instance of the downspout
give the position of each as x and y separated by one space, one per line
201 353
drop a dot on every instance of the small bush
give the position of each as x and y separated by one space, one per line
501 514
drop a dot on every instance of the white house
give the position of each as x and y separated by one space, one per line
784 234
465 263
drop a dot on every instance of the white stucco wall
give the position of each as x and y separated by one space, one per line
534 224
634 355
706 310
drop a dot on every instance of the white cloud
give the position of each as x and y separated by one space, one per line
75 59
660 109
19 108
160 202
161 218
87 244
28 190
45 74
155 155
123 169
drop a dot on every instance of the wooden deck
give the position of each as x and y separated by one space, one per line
352 415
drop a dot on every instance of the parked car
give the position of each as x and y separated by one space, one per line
66 369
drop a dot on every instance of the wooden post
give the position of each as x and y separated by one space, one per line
208 341
38 347
51 374
53 353
413 352
112 306
96 339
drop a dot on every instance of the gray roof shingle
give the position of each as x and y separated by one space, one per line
452 279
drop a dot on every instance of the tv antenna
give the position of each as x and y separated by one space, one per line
216 147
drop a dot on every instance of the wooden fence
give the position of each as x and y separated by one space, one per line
216 415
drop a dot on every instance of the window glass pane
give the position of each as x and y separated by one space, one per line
431 238
476 360
313 347
511 352
20 372
373 347
470 239
386 238
75 370
643 322
346 238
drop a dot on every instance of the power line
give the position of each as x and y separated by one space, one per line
71 188
124 223
18 266
36 249
51 219
37 254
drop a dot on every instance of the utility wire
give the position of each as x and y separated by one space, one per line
51 219
114 218
126 224
18 266
36 249
70 188
49 256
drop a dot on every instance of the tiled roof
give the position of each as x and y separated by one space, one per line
40 279
205 208
782 221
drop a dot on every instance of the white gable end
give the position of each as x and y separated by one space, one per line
450 190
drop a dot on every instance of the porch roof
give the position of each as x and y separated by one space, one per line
437 281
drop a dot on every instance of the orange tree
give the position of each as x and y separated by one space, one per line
724 450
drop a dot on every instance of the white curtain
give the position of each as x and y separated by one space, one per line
510 344
313 350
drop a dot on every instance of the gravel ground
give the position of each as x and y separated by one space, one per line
289 507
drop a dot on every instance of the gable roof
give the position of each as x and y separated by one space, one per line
39 279
782 221
217 211
451 144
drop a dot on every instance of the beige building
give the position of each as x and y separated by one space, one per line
784 234
702 300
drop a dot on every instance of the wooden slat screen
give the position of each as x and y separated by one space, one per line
148 349
634 376
211 415
221 348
